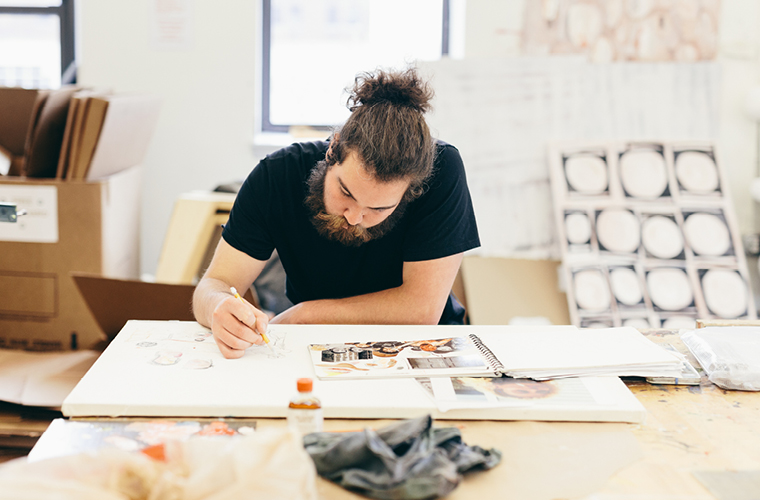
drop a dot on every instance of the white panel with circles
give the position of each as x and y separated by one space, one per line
648 235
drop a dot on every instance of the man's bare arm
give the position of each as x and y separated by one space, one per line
419 300
236 325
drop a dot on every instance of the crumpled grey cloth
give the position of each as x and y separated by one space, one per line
405 460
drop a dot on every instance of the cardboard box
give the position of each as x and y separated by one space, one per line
71 226
19 111
498 290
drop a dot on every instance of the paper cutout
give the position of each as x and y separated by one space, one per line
662 237
639 323
669 288
725 292
618 230
578 228
586 174
696 172
707 234
643 174
625 286
591 290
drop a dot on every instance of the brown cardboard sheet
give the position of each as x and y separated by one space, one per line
500 289
113 302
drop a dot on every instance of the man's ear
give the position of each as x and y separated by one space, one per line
329 155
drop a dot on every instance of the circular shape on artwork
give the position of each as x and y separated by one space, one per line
591 290
661 237
618 230
625 286
697 172
643 174
577 228
669 288
598 324
707 234
639 323
199 364
725 292
587 174
679 322
584 24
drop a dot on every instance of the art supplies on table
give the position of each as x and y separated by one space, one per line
730 355
174 369
539 354
687 376
66 437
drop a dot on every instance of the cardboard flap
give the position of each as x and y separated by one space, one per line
45 146
113 302
16 107
125 135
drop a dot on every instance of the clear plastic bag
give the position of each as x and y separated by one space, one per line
729 355
265 464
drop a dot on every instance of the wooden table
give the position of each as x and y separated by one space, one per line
688 429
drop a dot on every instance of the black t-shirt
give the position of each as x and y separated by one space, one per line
270 213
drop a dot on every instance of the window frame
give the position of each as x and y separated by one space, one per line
65 13
266 124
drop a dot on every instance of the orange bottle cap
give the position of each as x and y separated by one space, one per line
304 385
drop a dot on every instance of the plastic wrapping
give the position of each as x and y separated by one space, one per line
266 464
730 356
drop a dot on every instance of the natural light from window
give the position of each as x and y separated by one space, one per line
318 46
30 50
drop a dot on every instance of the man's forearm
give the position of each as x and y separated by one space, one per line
419 300
395 306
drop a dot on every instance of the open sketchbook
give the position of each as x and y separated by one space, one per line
174 369
539 354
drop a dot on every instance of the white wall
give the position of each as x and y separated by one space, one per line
493 29
205 131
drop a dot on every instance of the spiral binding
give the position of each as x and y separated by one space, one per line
490 357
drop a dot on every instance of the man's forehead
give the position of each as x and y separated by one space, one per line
365 188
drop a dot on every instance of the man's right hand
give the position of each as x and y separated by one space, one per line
236 326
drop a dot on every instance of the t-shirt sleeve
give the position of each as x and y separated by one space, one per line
444 220
247 228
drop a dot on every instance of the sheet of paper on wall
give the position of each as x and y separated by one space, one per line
41 379
501 113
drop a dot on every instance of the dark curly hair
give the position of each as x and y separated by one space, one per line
387 128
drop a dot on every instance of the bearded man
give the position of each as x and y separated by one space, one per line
370 225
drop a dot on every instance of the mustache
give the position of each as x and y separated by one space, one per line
337 227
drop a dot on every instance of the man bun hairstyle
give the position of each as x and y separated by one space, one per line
387 127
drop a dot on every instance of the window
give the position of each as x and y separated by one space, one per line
312 50
37 43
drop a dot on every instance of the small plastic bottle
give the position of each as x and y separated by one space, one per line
305 409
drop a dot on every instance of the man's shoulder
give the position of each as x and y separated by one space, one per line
446 153
309 152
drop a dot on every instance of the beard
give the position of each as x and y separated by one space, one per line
336 227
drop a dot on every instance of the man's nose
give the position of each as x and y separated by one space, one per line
353 215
